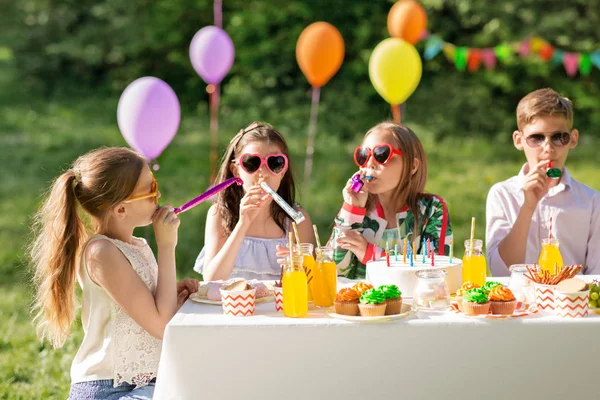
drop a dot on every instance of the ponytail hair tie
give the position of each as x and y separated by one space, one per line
77 174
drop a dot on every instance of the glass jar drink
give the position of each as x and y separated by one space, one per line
473 264
519 284
308 261
550 257
295 288
324 278
431 292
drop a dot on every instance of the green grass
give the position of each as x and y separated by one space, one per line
39 137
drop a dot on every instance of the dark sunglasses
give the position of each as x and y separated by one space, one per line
558 139
276 163
382 153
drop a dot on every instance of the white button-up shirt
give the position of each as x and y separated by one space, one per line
575 211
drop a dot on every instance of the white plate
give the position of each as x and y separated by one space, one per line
203 300
405 312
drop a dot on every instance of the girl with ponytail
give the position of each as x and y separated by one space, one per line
84 233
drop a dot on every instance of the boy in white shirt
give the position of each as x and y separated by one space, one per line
518 210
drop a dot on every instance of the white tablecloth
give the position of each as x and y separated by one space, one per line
207 355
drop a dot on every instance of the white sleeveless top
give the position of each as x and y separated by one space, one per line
115 346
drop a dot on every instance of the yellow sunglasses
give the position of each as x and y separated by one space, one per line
153 193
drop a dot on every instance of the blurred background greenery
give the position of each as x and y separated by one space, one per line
63 65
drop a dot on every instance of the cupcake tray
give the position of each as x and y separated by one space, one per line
405 312
522 310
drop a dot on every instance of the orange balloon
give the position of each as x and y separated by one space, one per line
320 52
407 20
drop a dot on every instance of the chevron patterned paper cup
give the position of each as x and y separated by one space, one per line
571 305
544 297
239 303
278 292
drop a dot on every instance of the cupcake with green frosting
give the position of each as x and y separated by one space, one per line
393 299
489 285
476 302
372 303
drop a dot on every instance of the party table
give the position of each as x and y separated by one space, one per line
207 355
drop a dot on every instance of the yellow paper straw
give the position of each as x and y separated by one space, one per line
291 244
317 235
296 232
472 236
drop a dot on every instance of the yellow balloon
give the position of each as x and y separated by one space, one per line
395 70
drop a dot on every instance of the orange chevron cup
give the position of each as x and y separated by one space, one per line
544 297
278 292
239 303
572 305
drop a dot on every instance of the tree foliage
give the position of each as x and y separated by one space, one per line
108 43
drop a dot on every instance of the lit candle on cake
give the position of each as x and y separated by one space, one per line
404 252
396 252
424 250
451 248
410 255
414 250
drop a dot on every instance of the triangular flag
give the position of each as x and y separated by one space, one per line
474 59
503 51
489 58
546 52
432 47
595 59
571 63
449 51
460 59
585 64
536 44
525 47
557 58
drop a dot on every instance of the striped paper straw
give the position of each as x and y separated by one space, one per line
472 236
550 230
296 232
316 235
291 244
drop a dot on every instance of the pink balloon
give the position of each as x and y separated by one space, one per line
148 115
212 54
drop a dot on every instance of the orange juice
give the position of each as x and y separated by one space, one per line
306 250
310 267
324 278
550 256
295 300
474 265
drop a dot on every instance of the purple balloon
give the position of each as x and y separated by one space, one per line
148 115
212 53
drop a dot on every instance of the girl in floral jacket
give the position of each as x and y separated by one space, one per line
391 205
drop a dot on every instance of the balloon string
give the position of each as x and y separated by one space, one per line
396 113
213 96
312 132
218 12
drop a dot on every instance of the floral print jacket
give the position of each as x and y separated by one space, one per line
434 224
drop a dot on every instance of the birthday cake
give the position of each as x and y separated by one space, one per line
404 276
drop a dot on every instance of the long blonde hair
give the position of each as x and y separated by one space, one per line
411 186
97 181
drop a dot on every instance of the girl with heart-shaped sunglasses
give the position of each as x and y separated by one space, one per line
245 229
388 203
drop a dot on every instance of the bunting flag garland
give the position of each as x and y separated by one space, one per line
472 59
